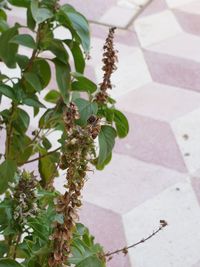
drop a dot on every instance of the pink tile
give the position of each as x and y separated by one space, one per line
151 141
188 21
127 183
173 70
122 36
108 230
154 7
185 46
94 9
118 16
195 180
159 101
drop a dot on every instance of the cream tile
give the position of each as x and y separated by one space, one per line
187 133
177 245
156 28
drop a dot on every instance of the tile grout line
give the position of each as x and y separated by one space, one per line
140 10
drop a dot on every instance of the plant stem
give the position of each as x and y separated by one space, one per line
9 130
125 249
16 245
43 156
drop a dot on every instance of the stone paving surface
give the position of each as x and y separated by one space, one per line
155 171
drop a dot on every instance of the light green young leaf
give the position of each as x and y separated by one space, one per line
40 14
25 40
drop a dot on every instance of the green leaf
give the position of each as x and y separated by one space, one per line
22 61
102 166
40 14
3 248
25 40
47 168
58 49
121 124
40 229
85 253
21 120
50 119
3 15
42 69
63 78
20 3
7 91
83 83
91 261
21 148
46 143
33 102
86 109
3 26
107 137
8 50
30 20
79 24
52 96
33 80
7 172
78 56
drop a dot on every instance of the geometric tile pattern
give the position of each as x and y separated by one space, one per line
155 171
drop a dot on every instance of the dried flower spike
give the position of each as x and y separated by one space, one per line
109 66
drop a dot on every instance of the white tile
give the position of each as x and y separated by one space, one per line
178 244
156 28
193 8
118 16
187 133
177 3
182 45
132 71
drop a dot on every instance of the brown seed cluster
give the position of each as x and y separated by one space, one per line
25 198
109 66
79 148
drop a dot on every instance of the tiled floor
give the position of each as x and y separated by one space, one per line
155 172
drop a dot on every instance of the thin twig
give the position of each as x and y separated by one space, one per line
42 156
125 249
